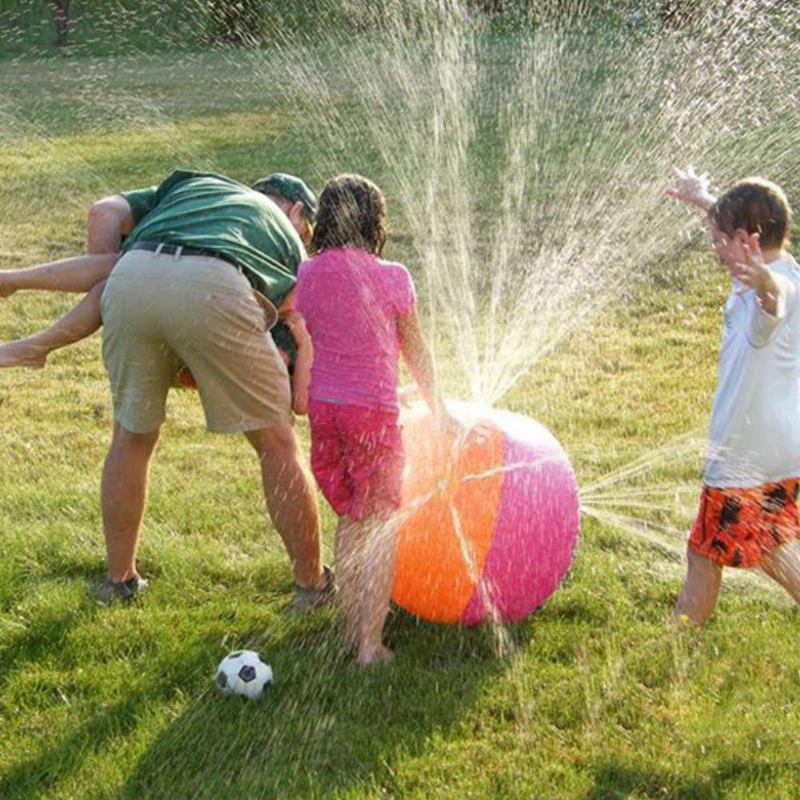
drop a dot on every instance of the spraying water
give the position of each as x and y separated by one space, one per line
523 171
527 173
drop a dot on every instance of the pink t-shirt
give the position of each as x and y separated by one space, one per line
351 301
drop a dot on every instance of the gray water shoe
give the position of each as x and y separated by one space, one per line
307 599
122 591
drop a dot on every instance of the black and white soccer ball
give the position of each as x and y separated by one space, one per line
243 672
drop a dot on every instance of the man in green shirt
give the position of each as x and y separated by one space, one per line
214 213
205 263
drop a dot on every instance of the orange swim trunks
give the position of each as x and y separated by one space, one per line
735 527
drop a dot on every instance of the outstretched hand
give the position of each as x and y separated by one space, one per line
690 188
753 273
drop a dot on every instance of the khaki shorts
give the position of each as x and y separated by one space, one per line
160 312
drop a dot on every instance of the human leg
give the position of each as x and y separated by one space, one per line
76 274
357 457
140 368
123 498
700 588
783 565
78 323
85 273
365 567
219 331
291 502
348 558
375 587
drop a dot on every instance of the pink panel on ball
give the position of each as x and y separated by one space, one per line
536 528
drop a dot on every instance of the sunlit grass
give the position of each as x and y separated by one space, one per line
598 699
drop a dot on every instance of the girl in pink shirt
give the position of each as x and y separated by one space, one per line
361 315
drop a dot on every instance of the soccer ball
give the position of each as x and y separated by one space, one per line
243 672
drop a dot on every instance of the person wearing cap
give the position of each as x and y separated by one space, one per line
204 264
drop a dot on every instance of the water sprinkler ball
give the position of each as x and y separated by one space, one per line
488 528
244 673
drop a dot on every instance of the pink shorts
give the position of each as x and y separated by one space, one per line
357 458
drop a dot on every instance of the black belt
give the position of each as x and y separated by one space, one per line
183 250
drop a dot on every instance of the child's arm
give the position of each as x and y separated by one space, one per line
77 274
420 362
288 302
755 274
691 188
301 377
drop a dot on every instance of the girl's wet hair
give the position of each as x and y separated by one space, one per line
352 212
756 206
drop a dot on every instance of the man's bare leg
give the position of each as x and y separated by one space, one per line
291 502
78 323
123 497
700 589
76 274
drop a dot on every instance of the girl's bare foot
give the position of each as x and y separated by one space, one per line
23 353
367 657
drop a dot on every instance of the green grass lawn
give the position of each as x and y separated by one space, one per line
592 697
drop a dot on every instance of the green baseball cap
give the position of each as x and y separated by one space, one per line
292 189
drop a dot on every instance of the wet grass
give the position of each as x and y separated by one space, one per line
597 700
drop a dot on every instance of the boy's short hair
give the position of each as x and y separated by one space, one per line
756 206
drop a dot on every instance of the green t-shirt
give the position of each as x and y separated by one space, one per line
201 209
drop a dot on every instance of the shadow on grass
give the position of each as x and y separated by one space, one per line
41 774
324 724
40 635
614 782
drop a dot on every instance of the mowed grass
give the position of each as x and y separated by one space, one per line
593 697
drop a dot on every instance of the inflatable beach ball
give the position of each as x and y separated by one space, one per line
488 526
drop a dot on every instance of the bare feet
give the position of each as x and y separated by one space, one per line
23 353
368 657
7 287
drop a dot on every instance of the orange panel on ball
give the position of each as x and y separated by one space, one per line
433 576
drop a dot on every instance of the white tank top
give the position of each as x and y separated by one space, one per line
755 422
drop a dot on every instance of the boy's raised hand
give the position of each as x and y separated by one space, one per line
754 274
690 188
